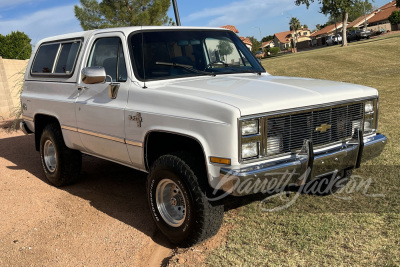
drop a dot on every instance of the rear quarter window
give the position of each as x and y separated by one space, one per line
56 58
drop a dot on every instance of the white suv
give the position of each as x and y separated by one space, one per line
333 39
194 109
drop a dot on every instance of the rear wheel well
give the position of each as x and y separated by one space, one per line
162 143
41 121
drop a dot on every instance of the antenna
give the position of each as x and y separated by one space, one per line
177 19
144 69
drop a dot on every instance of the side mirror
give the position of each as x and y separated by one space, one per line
91 75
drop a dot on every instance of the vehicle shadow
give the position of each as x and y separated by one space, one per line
113 189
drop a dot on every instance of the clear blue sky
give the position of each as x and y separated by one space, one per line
43 18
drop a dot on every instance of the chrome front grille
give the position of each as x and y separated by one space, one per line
321 126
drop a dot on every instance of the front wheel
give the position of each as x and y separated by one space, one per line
176 191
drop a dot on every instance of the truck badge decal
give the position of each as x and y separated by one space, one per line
137 118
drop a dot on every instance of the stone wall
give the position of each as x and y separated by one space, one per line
11 77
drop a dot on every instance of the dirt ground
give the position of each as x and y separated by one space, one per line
103 220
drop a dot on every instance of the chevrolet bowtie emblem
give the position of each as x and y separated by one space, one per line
323 128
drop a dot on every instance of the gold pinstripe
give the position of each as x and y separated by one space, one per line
107 137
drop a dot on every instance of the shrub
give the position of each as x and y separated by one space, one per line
16 45
274 50
395 17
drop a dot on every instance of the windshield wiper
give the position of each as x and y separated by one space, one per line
187 67
240 68
217 64
248 71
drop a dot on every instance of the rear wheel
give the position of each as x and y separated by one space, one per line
177 195
61 165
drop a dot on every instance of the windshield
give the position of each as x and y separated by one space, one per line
182 53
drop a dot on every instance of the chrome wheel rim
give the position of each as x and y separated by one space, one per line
50 156
171 203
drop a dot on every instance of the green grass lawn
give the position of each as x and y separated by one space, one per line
330 231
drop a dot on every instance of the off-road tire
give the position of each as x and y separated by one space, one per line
68 161
203 218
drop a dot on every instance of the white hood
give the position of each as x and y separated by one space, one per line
253 94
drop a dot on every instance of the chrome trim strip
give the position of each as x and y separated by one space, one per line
134 143
69 128
103 136
107 137
307 108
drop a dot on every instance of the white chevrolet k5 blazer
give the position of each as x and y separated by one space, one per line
194 109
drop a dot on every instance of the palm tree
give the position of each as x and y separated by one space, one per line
294 27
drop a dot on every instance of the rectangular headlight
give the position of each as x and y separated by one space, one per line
250 150
369 106
250 127
370 116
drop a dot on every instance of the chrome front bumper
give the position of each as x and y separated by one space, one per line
301 168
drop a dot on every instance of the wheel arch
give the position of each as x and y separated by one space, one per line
161 142
41 120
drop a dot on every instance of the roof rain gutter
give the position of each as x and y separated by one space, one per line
177 19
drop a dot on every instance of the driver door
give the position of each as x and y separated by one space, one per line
100 118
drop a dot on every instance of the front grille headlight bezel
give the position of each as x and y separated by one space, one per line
274 142
251 137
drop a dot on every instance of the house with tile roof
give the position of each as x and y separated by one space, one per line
268 44
380 21
283 39
245 40
360 22
230 27
319 37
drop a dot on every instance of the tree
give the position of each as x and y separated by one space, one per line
119 13
355 11
335 8
267 38
397 3
225 48
395 17
305 26
294 26
256 45
16 45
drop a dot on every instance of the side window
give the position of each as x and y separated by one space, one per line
45 57
108 53
66 60
57 58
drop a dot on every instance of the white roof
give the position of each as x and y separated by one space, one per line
125 30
